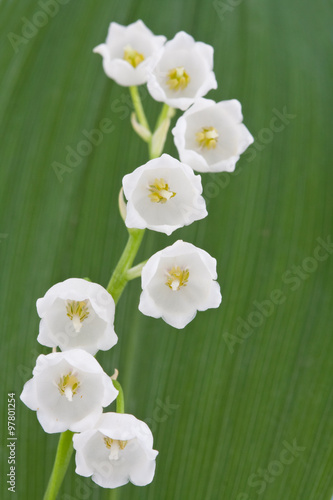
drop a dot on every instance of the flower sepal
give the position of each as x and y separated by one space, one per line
140 129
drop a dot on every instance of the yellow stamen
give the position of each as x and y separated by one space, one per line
160 192
178 79
68 385
133 56
207 137
108 442
115 446
77 311
177 278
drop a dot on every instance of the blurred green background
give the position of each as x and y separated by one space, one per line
223 407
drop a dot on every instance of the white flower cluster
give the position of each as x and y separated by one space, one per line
210 136
164 194
69 389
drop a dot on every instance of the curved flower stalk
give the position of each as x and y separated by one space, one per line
183 73
210 136
177 282
68 391
129 53
163 195
117 450
77 314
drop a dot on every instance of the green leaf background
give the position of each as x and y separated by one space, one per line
218 417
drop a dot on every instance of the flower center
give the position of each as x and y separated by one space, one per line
68 385
178 79
115 446
133 56
177 278
207 137
160 192
77 311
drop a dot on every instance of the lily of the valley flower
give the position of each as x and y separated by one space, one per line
163 195
178 281
210 136
129 53
77 314
183 73
68 391
117 450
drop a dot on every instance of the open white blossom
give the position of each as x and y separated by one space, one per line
177 282
129 53
210 136
68 391
119 449
77 313
183 73
163 195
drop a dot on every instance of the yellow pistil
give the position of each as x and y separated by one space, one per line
160 192
177 278
68 385
178 79
114 445
207 137
133 56
77 311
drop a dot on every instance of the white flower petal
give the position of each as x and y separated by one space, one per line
177 204
195 58
95 329
233 107
68 390
245 139
143 473
225 120
79 441
178 281
29 395
109 464
137 37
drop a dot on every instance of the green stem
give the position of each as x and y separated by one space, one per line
138 107
135 272
120 407
119 277
64 453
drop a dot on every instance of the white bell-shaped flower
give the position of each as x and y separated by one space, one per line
183 73
163 195
119 449
177 282
77 313
129 53
210 136
68 391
